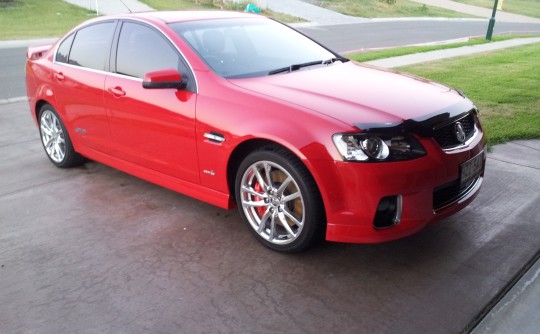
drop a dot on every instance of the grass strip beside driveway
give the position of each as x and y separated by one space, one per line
503 84
523 7
369 55
23 19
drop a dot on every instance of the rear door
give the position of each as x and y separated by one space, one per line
153 128
80 66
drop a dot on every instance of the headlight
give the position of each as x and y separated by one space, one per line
377 147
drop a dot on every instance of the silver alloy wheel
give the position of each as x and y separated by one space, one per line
52 136
272 202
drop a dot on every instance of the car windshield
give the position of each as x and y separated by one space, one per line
250 47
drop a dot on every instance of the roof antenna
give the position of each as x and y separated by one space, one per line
126 6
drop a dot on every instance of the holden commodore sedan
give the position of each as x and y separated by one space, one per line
242 111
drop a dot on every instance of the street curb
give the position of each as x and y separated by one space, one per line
12 44
13 100
477 320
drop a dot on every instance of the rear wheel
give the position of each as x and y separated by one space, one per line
279 200
55 139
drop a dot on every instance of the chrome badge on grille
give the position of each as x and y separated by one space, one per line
460 132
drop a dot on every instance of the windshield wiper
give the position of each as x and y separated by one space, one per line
296 67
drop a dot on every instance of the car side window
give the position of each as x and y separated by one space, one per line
62 54
91 46
141 49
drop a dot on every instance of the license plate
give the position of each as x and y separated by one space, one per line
471 169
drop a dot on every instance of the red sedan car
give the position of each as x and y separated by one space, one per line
239 110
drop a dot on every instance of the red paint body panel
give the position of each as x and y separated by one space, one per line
160 135
155 130
351 92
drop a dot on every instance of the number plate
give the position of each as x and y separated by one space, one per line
471 169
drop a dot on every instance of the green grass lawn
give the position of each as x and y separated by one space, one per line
523 7
376 8
370 55
503 84
38 18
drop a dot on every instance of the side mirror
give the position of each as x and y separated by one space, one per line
168 78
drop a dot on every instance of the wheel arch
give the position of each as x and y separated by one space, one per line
40 103
245 148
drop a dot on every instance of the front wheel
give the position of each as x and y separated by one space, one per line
55 139
279 200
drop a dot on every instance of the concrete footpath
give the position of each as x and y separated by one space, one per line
423 57
110 7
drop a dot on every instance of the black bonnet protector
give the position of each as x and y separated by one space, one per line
423 126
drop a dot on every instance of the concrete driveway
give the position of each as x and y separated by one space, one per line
94 250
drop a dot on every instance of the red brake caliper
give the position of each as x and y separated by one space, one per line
261 209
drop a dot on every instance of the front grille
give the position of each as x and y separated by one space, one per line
446 135
449 193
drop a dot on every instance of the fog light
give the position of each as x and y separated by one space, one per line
388 212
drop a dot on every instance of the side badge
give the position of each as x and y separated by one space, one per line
209 172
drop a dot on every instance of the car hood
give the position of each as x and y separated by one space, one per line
358 94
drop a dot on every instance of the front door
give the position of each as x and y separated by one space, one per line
153 128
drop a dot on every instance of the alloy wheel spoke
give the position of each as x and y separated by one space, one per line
267 170
291 197
49 144
254 192
259 177
46 129
57 151
286 225
254 203
272 228
57 126
264 219
295 220
284 185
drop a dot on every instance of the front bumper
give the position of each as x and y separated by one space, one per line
352 191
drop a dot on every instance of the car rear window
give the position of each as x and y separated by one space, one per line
91 46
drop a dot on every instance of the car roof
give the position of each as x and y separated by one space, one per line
193 15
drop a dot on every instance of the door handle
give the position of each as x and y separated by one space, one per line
117 91
59 76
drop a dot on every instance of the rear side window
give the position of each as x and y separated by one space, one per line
62 54
91 46
141 49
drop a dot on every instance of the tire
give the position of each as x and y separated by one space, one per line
279 200
55 139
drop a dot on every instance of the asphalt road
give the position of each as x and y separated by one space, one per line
341 38
94 250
